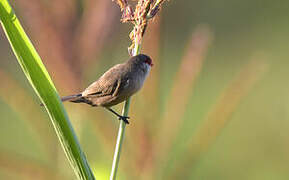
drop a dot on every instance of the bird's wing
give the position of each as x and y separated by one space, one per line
107 85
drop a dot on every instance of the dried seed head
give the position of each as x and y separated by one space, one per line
154 10
127 14
144 10
122 3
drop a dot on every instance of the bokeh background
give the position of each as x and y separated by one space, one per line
215 106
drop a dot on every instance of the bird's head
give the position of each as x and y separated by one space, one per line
145 59
142 62
141 59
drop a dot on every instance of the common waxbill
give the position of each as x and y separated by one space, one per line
115 85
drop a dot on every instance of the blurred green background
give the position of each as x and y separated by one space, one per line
215 105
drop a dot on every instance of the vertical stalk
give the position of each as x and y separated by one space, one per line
121 131
140 19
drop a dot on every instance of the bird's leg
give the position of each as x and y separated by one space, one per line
120 117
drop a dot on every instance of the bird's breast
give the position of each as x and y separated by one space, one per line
138 80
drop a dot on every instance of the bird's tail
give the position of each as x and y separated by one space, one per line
76 98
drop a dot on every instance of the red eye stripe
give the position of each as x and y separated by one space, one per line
149 62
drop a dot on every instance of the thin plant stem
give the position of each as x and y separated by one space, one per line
139 17
121 131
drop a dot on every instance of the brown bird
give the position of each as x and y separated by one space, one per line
115 85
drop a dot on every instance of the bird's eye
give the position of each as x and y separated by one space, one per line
149 62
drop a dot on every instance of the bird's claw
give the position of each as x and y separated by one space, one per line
124 118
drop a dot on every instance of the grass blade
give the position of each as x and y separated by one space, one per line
39 79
